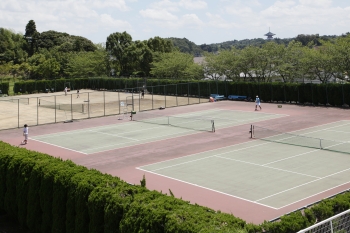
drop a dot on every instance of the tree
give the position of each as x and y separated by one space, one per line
158 44
11 47
176 65
289 63
116 46
320 64
87 64
31 35
340 51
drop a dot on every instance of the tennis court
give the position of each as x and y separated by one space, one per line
272 170
149 127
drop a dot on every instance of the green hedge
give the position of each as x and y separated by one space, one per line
46 194
313 94
4 87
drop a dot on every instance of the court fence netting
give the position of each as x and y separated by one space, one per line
339 223
49 108
199 124
271 135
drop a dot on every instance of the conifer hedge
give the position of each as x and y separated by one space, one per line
4 87
332 94
47 194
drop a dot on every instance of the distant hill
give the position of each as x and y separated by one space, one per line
186 46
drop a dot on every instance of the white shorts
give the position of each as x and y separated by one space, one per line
257 104
25 136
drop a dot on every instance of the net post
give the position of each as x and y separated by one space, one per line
321 144
251 131
212 126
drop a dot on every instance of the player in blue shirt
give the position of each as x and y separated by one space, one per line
257 103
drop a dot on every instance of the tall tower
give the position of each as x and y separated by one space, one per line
269 35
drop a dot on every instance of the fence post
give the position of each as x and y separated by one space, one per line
199 93
71 106
37 110
188 93
342 90
119 102
18 113
164 96
55 109
176 94
104 104
88 104
152 98
312 94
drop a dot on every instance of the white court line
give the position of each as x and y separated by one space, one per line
303 184
247 148
337 131
161 136
209 151
114 135
314 195
276 161
259 165
200 158
88 129
213 190
226 110
58 146
319 126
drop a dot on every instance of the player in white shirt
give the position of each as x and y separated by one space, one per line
257 103
25 134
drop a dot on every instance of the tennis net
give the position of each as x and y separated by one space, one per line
82 108
19 100
176 121
299 140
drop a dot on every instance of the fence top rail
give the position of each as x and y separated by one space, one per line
324 221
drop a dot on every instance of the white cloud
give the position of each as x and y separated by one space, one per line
192 5
108 22
165 5
316 3
156 14
216 21
191 20
117 4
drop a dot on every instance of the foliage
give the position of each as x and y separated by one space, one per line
186 46
11 47
47 194
176 65
87 64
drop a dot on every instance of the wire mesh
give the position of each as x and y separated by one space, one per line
299 140
339 223
176 121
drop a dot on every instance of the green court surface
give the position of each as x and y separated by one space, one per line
130 133
267 173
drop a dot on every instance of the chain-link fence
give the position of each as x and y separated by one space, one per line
52 108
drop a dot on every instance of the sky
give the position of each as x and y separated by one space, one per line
200 21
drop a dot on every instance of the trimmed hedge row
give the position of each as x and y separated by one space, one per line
316 94
46 194
4 87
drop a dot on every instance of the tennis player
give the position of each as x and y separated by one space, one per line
257 103
25 134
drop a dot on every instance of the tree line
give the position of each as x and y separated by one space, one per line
51 54
277 62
